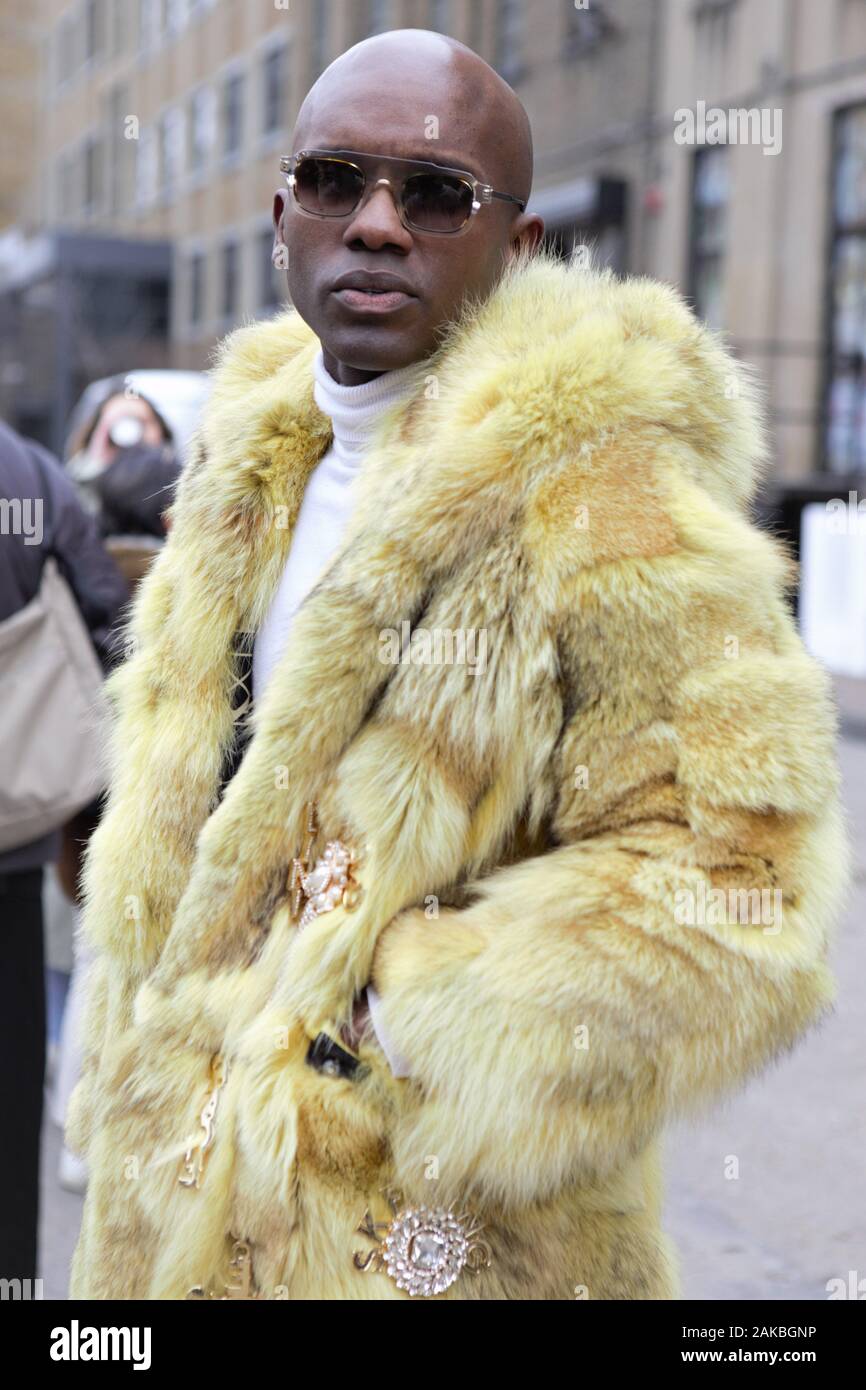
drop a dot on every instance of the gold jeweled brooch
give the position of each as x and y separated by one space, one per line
328 883
423 1249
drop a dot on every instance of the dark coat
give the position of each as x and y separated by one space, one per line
136 490
55 523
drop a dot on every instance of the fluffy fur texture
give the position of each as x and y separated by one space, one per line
572 476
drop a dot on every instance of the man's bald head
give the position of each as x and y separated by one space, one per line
463 92
408 94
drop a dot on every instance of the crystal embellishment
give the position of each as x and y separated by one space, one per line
330 882
424 1249
327 882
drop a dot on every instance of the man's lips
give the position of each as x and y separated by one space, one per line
372 291
374 301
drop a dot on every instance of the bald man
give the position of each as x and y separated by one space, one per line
379 292
430 764
447 111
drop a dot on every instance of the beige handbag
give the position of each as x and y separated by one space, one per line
53 714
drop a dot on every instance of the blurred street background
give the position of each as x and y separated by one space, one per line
719 145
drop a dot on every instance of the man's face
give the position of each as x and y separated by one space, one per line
360 113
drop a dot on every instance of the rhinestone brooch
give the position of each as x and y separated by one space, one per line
423 1249
330 882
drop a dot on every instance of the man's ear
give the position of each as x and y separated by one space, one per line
529 231
280 252
526 233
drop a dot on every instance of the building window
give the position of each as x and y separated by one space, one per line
175 15
274 82
197 265
66 53
509 40
230 279
233 114
271 279
67 186
118 26
587 28
439 15
149 23
120 151
92 172
713 22
93 18
846 345
378 16
147 165
201 128
476 27
170 148
321 36
710 191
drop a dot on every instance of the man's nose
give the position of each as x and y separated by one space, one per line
377 221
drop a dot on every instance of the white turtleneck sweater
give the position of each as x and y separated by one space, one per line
325 510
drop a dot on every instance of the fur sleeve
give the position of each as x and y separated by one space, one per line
590 995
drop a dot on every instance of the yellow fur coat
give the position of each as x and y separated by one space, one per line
598 873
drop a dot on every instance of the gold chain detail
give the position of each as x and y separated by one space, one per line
196 1155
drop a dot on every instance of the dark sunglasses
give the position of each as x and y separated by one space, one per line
429 198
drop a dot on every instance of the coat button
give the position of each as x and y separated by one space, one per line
330 1059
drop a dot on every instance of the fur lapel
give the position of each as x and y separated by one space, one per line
555 359
557 362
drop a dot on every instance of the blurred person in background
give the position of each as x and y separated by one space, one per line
125 465
33 484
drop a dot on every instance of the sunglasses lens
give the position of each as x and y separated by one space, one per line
327 187
437 202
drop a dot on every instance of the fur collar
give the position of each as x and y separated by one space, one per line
557 358
510 416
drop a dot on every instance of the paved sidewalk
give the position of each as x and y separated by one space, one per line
794 1218
60 1218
